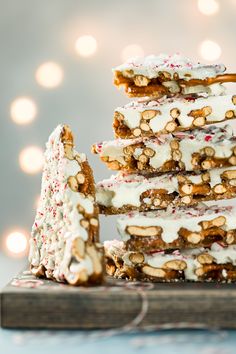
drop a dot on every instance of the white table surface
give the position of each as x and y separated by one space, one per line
167 342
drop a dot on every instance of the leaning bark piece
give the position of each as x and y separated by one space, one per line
64 244
123 193
217 264
156 76
200 149
198 226
154 117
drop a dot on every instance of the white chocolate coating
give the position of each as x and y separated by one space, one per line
172 219
123 190
210 90
220 139
57 221
132 112
151 65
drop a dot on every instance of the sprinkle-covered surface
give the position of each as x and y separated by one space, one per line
65 233
151 65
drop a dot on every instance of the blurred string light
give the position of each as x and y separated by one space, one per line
208 7
86 45
23 110
210 50
16 243
132 50
31 159
49 75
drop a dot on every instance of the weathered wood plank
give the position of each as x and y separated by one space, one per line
31 303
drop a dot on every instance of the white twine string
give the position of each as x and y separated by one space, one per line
134 325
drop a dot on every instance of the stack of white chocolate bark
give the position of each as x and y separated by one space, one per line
170 160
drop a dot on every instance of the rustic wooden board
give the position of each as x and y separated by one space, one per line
28 302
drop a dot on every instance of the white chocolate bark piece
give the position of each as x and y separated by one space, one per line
198 226
200 149
123 193
64 241
169 114
155 76
216 263
150 67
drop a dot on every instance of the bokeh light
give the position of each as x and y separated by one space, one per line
210 50
86 45
49 74
16 243
23 110
132 50
208 7
31 159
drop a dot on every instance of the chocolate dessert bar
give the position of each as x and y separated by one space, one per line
157 76
154 117
199 149
123 193
216 264
64 242
198 226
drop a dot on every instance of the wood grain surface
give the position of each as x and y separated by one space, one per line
28 302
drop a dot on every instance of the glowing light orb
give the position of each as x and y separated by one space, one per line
86 46
132 50
23 110
208 7
49 75
31 159
210 50
16 243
